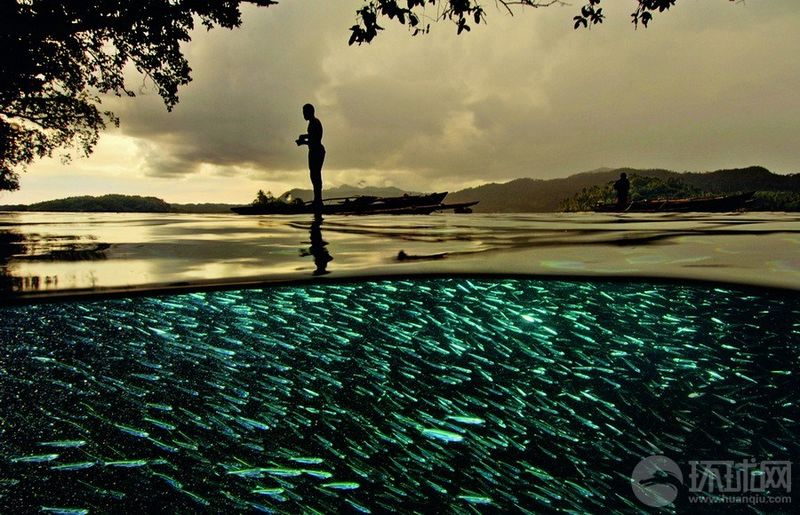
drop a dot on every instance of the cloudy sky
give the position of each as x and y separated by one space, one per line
711 84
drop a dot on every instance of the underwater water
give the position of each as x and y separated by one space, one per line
463 395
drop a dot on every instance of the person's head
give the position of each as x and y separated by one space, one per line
308 111
623 175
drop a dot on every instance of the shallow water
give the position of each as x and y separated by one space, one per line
42 253
432 395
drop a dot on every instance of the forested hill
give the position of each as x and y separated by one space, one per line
117 204
101 204
753 178
534 195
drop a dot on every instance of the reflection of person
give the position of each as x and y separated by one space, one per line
317 249
623 186
316 152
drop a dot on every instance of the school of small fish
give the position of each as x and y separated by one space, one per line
463 395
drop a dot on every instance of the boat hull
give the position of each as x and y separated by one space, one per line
407 204
701 204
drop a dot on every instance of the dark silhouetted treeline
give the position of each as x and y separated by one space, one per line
642 188
776 201
101 204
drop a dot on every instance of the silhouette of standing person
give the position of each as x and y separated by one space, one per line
316 153
623 186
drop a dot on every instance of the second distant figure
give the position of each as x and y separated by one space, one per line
316 152
623 187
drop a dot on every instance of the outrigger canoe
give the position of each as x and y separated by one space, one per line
718 204
360 205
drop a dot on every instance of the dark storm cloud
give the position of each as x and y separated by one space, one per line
242 108
708 85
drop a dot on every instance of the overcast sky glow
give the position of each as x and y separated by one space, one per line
709 85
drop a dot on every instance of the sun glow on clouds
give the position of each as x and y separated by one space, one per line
120 165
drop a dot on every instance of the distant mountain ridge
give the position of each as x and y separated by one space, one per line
115 203
516 196
112 203
538 195
346 190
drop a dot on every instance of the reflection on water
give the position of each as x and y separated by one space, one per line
22 247
69 251
317 249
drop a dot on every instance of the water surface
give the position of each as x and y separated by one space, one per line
69 252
